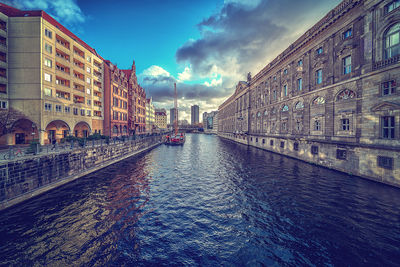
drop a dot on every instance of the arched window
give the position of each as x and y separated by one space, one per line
259 114
265 113
299 105
318 101
115 129
285 108
345 94
392 41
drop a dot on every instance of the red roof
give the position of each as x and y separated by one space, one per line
14 12
127 73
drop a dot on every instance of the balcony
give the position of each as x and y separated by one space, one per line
97 84
98 65
61 42
79 52
62 82
62 55
79 99
62 69
387 62
79 64
3 64
3 79
79 87
79 76
63 95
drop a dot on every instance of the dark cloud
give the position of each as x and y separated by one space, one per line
250 35
161 88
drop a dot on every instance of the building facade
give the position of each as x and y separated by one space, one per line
150 115
210 122
161 119
194 114
116 101
331 98
52 81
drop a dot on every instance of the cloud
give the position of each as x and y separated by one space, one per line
246 34
66 12
186 75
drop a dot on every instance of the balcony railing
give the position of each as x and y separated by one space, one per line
386 62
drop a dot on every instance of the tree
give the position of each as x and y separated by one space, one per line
8 118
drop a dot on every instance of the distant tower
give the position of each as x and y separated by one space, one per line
172 116
195 114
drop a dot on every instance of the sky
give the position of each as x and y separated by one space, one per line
205 46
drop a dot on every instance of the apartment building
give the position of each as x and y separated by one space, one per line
150 115
161 118
116 100
331 97
55 80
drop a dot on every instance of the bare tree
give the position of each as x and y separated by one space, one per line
8 118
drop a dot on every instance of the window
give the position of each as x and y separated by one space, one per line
299 84
88 113
48 48
282 144
318 101
392 42
341 154
345 95
256 140
48 33
318 76
385 162
392 6
345 123
317 125
47 106
271 142
347 65
47 77
296 146
88 69
348 33
300 63
47 62
88 58
314 150
274 78
67 109
89 102
285 71
3 104
263 141
88 91
47 92
58 108
298 126
285 90
75 111
88 80
285 108
388 126
299 105
388 88
82 112
274 94
284 126
319 51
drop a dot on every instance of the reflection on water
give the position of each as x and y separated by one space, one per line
210 202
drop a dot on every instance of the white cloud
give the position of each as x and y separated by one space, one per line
155 70
214 82
186 75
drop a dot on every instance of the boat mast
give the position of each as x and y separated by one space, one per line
176 112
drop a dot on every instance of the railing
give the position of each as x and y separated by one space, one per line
17 152
386 62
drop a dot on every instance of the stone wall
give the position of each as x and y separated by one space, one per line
359 160
25 178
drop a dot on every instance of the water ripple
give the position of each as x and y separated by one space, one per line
208 203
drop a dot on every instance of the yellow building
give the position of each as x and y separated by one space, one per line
56 78
161 119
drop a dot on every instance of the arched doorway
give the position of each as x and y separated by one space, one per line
82 129
24 131
56 130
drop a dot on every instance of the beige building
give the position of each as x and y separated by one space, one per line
331 98
161 119
150 115
56 78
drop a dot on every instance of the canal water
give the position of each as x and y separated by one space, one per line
209 203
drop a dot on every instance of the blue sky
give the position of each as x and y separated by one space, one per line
205 46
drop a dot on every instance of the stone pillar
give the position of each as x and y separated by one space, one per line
10 139
41 137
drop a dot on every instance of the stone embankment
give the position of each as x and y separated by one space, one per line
22 179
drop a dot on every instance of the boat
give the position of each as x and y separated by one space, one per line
176 139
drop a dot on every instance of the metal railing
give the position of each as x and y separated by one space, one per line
20 152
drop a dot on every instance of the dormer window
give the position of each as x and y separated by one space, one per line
320 51
347 34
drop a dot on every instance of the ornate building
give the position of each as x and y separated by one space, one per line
331 98
116 104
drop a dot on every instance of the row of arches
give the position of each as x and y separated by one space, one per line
343 95
58 129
